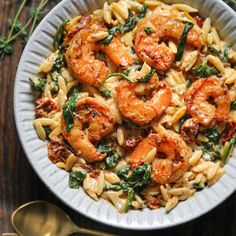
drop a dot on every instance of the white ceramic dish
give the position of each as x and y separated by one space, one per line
39 47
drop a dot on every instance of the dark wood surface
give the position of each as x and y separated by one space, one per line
19 184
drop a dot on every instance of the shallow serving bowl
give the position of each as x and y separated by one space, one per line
39 47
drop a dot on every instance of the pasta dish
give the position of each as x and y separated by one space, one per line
137 102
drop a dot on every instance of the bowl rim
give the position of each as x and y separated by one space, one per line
52 190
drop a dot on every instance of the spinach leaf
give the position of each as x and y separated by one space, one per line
112 157
233 105
212 134
211 151
197 187
68 109
204 70
58 63
59 36
113 187
132 20
141 176
130 198
148 30
182 120
122 173
111 33
228 150
105 148
47 130
222 55
148 76
183 39
127 27
76 178
38 83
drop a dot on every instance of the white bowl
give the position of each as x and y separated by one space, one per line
39 47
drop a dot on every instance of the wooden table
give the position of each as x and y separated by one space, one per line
19 183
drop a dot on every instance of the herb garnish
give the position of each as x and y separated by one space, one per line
38 83
112 157
111 33
68 109
76 178
183 39
204 70
17 29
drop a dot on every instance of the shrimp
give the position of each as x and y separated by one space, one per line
171 159
149 47
208 100
81 59
141 112
189 130
92 121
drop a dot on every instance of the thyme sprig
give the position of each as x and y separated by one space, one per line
18 29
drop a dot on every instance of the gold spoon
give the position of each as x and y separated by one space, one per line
41 218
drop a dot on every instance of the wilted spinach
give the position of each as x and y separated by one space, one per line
122 173
68 109
212 134
47 130
183 39
111 33
182 120
211 151
204 70
132 20
130 198
133 183
127 27
38 83
148 30
222 55
197 187
76 178
228 149
233 105
59 36
112 157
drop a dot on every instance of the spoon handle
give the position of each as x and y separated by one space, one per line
92 232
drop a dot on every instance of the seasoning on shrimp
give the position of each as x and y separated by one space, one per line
149 47
88 112
208 100
171 160
132 107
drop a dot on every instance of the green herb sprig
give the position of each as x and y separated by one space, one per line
17 29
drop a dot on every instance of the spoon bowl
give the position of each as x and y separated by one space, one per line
41 218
